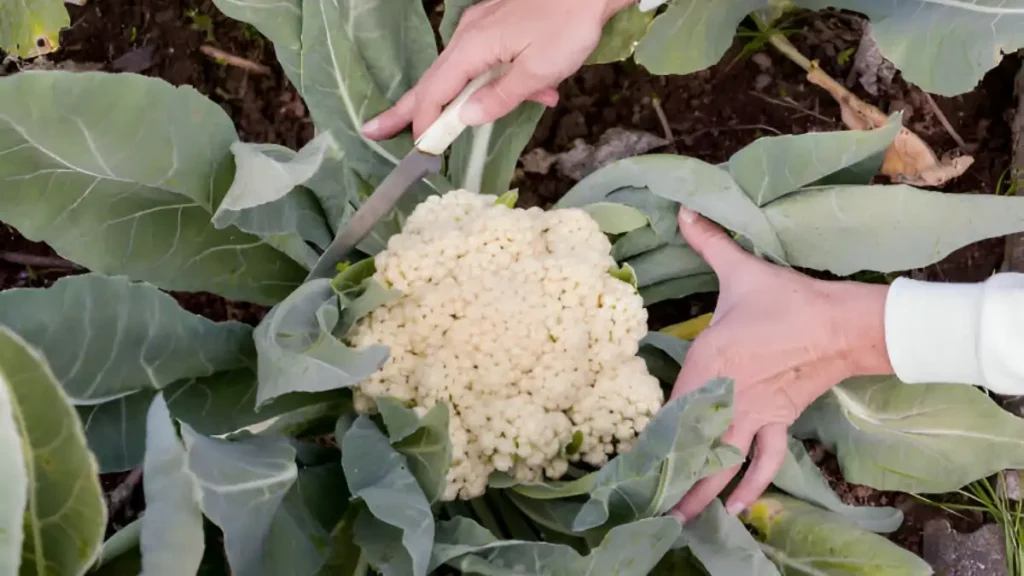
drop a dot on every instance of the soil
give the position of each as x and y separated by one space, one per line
711 114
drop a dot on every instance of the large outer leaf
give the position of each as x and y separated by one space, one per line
692 34
628 550
846 229
216 405
303 523
679 288
107 337
344 557
677 448
226 402
943 47
423 441
120 172
668 262
242 484
484 158
620 35
356 61
801 477
116 430
350 62
925 438
265 198
724 546
806 540
774 166
841 229
66 516
120 555
14 498
27 23
697 184
298 351
172 528
397 532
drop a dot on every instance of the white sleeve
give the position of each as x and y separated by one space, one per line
958 333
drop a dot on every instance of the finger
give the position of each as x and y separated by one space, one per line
393 120
468 57
704 491
506 93
548 97
770 453
710 241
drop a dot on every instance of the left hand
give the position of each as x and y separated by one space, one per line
785 339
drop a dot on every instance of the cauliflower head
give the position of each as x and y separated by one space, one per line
512 318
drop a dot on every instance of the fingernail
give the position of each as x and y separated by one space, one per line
679 516
371 126
735 508
687 215
471 114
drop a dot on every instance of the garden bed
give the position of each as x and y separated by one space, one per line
710 115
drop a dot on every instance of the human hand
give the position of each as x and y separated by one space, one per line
545 41
785 339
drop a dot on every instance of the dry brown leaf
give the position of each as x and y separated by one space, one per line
908 160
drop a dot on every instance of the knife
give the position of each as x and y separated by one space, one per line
423 159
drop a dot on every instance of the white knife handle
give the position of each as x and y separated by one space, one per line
440 135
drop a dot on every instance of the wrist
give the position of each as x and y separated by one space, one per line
860 326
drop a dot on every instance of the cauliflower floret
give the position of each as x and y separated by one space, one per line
511 318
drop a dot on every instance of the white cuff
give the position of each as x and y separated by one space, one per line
931 331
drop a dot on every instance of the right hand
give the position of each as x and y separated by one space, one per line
785 339
546 41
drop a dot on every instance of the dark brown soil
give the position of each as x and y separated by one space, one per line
711 114
916 511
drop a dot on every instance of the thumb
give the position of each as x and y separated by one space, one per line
506 93
709 241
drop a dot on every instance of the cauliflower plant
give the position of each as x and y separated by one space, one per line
512 318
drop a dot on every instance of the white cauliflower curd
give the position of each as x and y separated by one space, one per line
512 318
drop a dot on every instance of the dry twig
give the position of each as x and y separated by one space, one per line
794 105
38 261
232 60
944 121
124 491
656 104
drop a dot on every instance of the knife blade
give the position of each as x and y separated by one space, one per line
423 159
410 170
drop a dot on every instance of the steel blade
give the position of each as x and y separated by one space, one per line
410 170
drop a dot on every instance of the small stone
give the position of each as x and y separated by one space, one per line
538 161
1009 485
763 61
980 553
762 81
134 61
615 144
